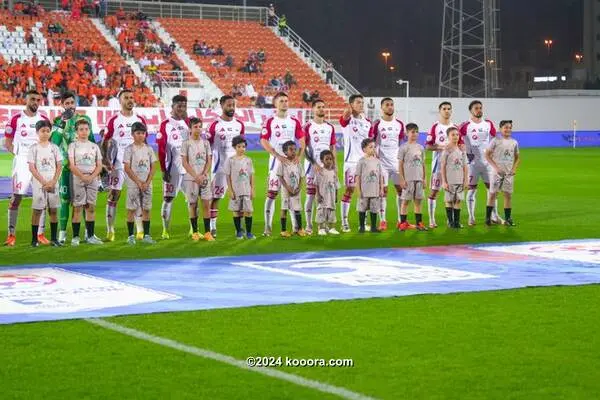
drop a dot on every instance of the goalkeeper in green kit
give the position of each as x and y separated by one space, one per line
63 134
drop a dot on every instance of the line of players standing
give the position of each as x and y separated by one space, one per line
314 138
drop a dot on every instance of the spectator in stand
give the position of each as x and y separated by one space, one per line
306 97
329 72
315 95
64 4
219 51
260 101
250 91
268 101
228 61
120 14
289 80
275 83
202 104
144 62
204 49
261 55
157 83
173 46
197 48
94 101
103 8
283 26
272 16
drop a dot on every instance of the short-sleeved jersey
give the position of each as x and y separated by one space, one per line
280 130
85 155
354 131
291 174
388 135
118 130
369 171
220 134
456 160
171 135
240 170
140 159
197 153
477 137
319 137
21 129
412 157
437 135
64 136
326 181
45 159
503 152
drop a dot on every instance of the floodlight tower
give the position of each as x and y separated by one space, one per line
470 49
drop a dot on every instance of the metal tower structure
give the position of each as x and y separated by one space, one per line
470 49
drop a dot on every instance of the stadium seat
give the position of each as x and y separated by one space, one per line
237 39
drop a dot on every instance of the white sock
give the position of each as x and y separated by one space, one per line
471 203
431 203
165 212
383 209
13 216
495 211
398 206
111 214
308 210
269 210
42 225
213 219
345 211
139 225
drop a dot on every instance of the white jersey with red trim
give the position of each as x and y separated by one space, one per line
388 135
319 137
437 135
21 128
278 131
354 131
477 137
118 129
169 139
220 135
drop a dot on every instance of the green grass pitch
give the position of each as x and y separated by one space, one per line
534 343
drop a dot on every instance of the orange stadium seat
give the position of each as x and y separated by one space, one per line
237 39
79 31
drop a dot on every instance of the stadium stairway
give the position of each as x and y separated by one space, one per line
237 39
115 45
211 90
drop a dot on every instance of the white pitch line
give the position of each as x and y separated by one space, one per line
204 353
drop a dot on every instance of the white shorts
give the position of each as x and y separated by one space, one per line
390 174
42 199
116 178
273 184
350 175
477 171
21 177
192 191
503 184
436 181
171 188
310 174
219 185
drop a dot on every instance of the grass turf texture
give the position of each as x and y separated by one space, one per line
519 344
551 202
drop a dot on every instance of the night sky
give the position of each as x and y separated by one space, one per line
353 34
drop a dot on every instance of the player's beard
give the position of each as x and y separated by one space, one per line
229 113
479 115
32 108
